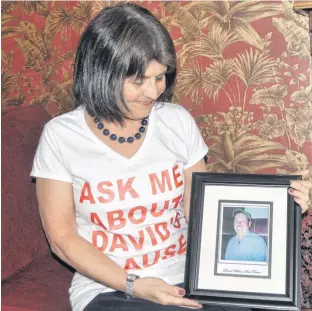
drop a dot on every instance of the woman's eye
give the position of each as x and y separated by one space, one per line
160 78
138 82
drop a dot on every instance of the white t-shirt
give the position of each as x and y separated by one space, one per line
131 209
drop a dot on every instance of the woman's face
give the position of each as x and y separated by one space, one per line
141 94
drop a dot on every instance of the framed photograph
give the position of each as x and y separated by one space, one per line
236 256
244 242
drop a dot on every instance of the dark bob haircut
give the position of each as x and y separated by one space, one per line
119 43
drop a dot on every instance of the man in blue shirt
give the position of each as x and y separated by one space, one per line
245 245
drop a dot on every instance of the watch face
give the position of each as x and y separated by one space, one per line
132 277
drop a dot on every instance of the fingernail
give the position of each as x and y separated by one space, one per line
181 291
291 190
200 306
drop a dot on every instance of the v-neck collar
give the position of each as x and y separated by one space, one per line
115 154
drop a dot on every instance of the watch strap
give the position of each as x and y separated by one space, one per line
129 285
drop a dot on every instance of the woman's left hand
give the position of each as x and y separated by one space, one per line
301 190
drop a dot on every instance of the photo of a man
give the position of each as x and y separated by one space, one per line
245 245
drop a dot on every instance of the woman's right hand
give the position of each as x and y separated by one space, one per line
157 290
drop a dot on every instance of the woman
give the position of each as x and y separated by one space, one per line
113 174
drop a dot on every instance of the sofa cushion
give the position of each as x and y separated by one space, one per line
8 308
43 285
22 239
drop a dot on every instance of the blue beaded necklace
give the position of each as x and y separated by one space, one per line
121 139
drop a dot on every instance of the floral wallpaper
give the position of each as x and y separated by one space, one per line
244 74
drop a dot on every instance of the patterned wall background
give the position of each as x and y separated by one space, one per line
244 74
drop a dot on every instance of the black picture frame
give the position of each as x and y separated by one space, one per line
202 283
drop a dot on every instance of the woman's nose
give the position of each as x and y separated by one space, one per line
151 91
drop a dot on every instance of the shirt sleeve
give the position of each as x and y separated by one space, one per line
262 250
48 161
196 145
229 250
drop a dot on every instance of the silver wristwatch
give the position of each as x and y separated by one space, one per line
129 285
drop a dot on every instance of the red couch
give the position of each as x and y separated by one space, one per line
32 279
